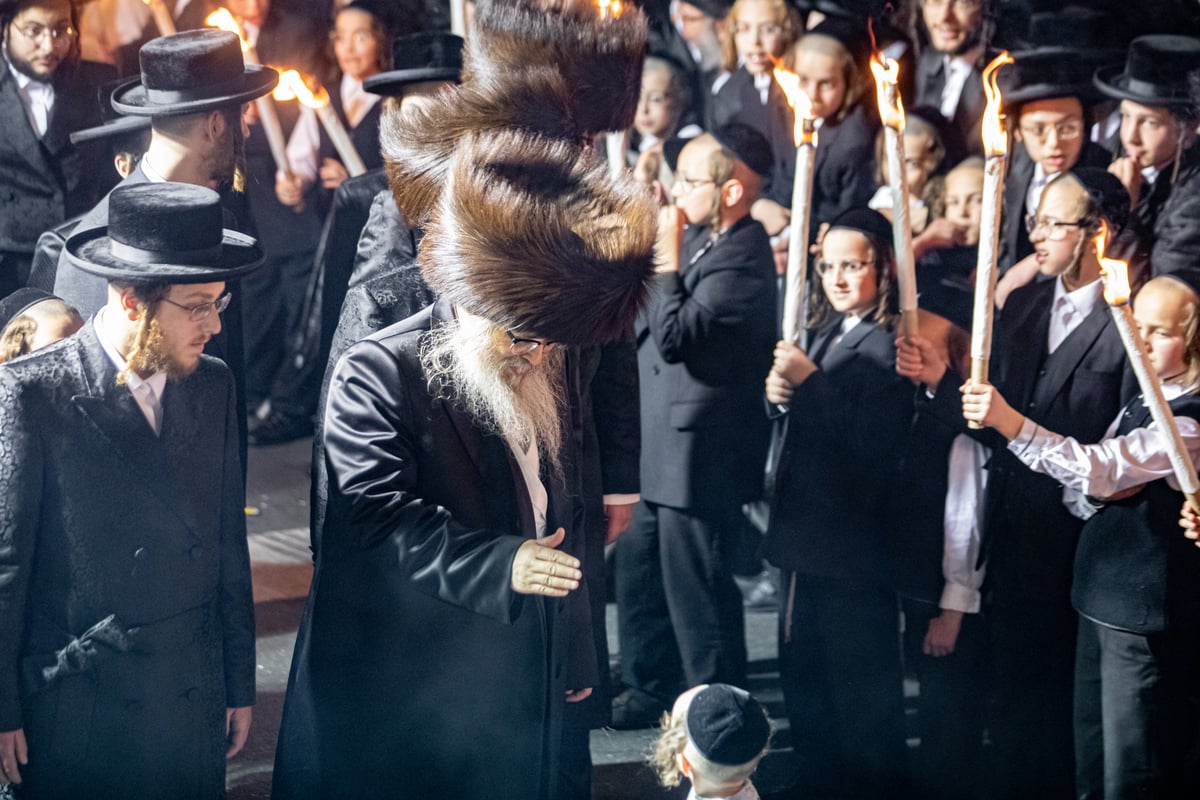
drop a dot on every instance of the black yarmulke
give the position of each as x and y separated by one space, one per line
865 220
727 725
747 145
1107 194
20 301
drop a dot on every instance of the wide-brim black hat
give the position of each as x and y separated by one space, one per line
1047 73
1155 72
115 127
419 58
191 72
165 233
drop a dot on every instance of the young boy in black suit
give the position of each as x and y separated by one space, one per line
1059 358
704 342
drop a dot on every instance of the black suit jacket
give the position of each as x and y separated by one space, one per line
48 180
704 348
1177 225
846 427
968 114
101 518
412 589
1134 570
1029 537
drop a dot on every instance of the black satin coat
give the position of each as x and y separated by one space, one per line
418 671
126 612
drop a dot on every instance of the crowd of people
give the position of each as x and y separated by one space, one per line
527 303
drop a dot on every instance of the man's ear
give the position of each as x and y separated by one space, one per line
732 192
130 304
214 125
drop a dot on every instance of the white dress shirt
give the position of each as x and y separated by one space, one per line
747 792
147 392
1033 195
1111 466
1069 309
304 147
957 72
961 529
36 96
530 464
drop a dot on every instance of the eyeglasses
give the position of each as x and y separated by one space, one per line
959 5
36 32
201 312
691 183
520 346
1053 230
849 267
1066 131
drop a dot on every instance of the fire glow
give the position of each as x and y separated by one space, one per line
886 72
1116 273
995 138
804 129
224 20
609 9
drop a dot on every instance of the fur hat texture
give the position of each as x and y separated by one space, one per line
533 234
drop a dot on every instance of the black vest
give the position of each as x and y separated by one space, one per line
365 135
1134 569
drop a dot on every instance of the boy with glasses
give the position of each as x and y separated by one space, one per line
46 93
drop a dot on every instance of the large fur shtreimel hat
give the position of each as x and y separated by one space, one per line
533 234
541 66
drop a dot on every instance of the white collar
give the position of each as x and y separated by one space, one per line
1083 299
1150 174
157 382
1174 388
1040 176
152 174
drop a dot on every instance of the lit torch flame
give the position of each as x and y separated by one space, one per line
887 74
293 86
609 9
801 104
995 140
224 20
1116 273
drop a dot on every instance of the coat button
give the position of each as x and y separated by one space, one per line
140 554
193 694
196 552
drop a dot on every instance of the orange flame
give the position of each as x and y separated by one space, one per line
995 140
609 9
294 86
224 20
1116 273
800 102
887 73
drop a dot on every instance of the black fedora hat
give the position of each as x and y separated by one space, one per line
1155 71
419 57
191 72
164 232
1046 73
112 124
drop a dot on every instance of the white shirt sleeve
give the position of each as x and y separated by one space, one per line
961 530
304 146
1105 468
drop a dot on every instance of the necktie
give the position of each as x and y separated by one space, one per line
1064 315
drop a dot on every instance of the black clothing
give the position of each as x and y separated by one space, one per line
968 114
1176 226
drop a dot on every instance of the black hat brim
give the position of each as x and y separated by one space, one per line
390 84
1111 82
117 127
91 251
131 98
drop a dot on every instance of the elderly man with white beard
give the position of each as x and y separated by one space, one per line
448 623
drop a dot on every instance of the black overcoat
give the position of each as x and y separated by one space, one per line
126 611
418 671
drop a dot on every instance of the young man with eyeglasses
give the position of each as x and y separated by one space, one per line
1059 358
1046 93
46 93
127 642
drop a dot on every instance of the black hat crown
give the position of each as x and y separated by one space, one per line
419 57
1046 73
1156 71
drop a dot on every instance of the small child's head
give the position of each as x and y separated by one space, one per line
830 61
361 40
757 33
714 736
1072 208
963 198
1167 312
30 319
857 268
923 154
665 95
721 174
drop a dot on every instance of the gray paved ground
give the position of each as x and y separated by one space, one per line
278 489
